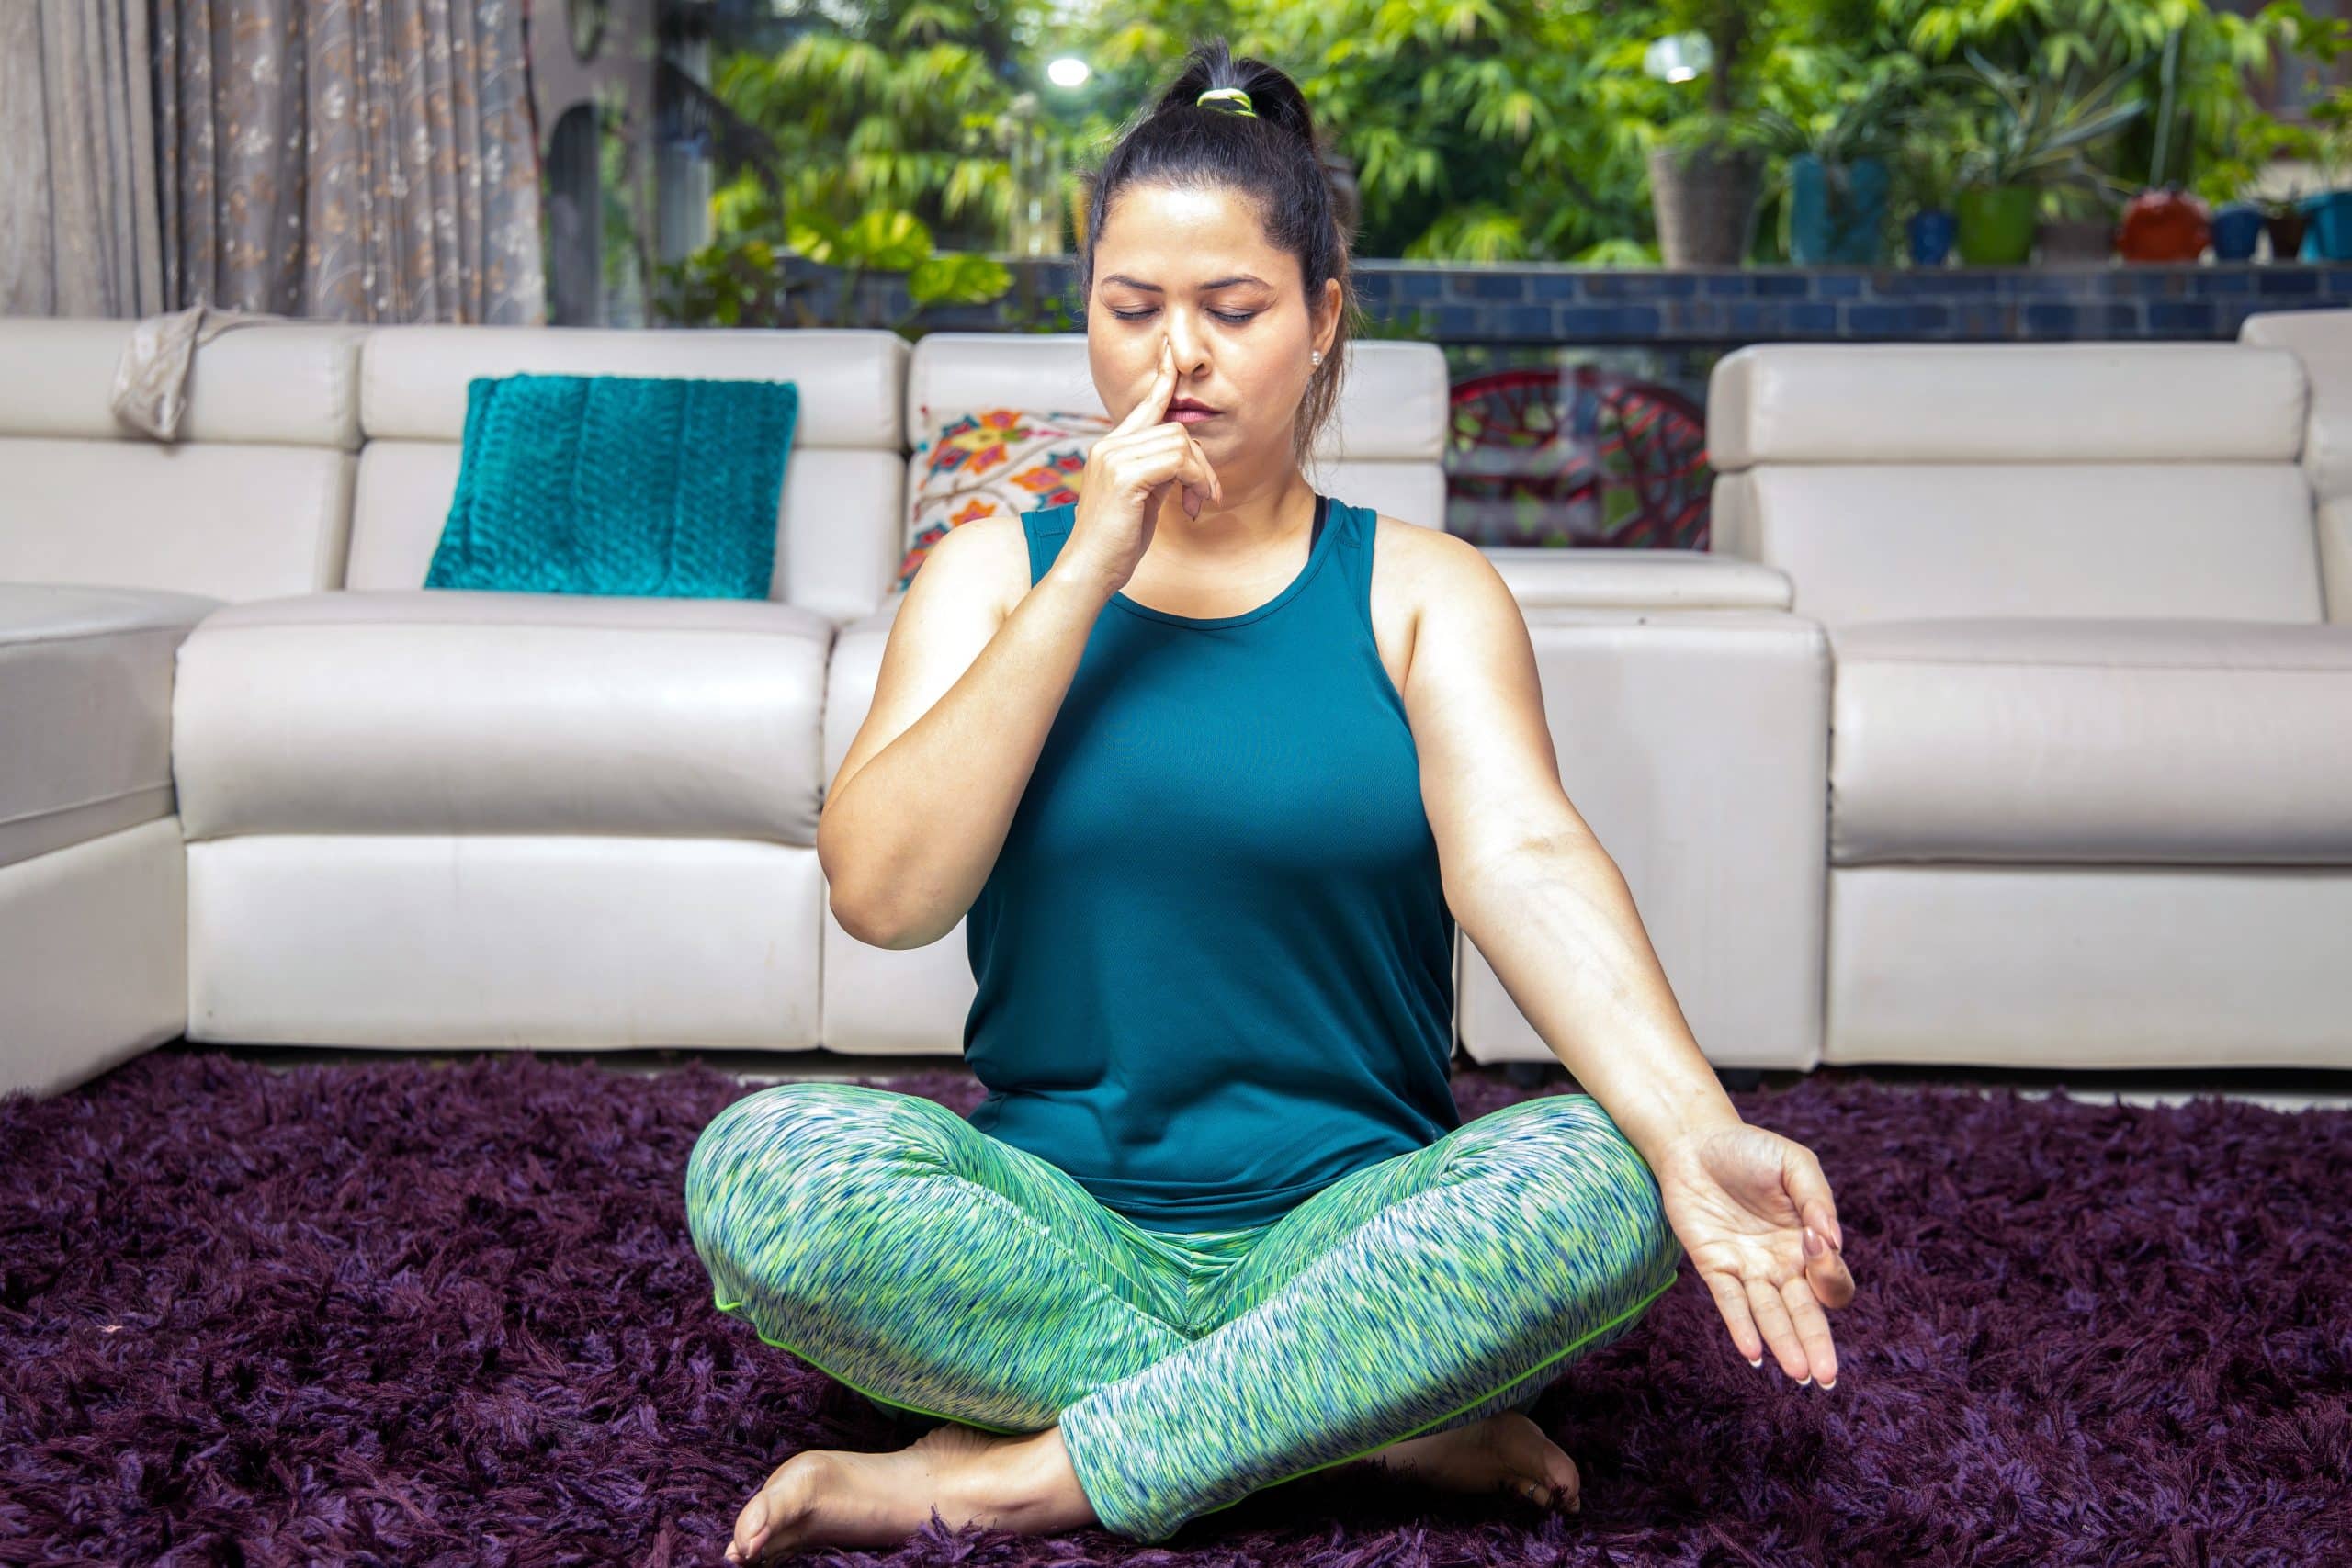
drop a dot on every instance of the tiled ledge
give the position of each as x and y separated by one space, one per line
1525 303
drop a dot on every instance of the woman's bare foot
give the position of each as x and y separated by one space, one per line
1505 1452
831 1497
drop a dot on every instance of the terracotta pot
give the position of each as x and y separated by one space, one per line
2166 225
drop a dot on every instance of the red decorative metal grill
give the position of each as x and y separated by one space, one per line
1579 456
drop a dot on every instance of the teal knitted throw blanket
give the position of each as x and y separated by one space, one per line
618 484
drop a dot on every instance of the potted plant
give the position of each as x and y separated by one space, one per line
2328 211
1706 167
2077 224
1837 172
1927 166
2165 222
2237 227
2036 134
2283 220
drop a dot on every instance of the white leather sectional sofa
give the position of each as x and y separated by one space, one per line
2006 721
2090 761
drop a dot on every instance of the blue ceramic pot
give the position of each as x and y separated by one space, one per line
2237 227
2330 237
1930 234
1836 226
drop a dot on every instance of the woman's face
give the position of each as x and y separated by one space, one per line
1195 266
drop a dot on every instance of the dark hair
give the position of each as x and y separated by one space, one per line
1274 159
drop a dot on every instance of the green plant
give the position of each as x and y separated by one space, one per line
1861 123
2328 141
1492 129
730 283
737 285
1049 314
1864 121
1415 325
1926 165
2204 140
2038 131
899 108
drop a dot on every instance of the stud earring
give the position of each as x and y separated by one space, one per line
1317 357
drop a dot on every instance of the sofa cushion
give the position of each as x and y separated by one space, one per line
462 712
618 484
2186 540
2113 741
86 710
979 463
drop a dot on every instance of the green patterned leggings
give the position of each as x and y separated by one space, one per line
936 1268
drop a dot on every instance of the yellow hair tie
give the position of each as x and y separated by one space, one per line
1230 93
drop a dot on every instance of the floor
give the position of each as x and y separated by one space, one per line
2280 1088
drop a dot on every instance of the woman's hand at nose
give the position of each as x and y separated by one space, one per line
1128 472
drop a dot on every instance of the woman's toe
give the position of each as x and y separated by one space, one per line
750 1527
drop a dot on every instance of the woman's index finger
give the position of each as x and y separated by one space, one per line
1154 407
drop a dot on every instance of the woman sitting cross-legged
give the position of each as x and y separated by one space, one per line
1210 763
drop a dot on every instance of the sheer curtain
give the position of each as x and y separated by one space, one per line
348 160
79 229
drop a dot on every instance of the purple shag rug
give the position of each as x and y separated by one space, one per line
408 1312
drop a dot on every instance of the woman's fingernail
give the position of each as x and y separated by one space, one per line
1813 1247
1829 1382
1804 1379
1757 1362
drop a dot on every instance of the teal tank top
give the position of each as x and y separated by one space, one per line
1214 958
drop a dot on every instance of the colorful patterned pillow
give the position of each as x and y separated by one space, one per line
994 463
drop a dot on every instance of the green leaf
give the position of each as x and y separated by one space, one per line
886 240
816 236
957 279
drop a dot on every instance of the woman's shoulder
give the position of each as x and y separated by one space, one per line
992 553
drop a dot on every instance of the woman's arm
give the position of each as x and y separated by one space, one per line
1557 922
966 693
1525 876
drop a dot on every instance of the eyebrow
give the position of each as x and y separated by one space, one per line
1213 283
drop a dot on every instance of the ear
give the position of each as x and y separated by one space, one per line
1327 317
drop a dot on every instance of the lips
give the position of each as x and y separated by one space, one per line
1189 405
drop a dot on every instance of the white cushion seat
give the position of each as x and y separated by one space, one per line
460 711
85 705
2188 741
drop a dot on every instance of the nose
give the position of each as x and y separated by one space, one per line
1190 342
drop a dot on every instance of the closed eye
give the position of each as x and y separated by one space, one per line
1221 315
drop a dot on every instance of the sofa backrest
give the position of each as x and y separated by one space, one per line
253 500
1384 447
837 537
2322 342
1895 481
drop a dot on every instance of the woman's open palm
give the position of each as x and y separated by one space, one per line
1754 1211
